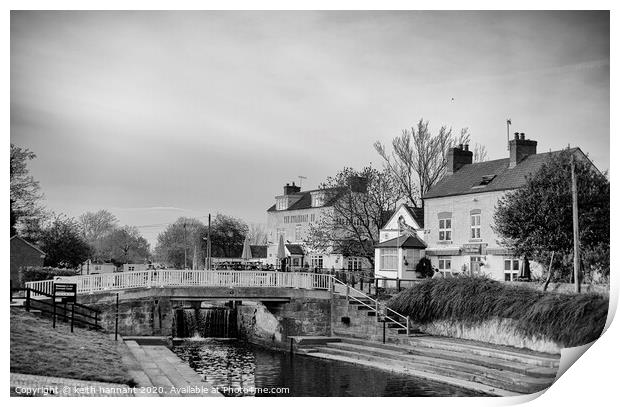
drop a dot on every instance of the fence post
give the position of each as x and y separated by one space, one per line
116 322
54 311
96 319
407 325
376 287
383 330
72 315
347 292
27 299
397 284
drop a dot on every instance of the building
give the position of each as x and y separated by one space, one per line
135 267
459 210
402 237
90 267
23 254
258 252
290 217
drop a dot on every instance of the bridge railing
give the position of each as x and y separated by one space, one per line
188 278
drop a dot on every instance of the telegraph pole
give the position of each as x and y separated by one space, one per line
576 259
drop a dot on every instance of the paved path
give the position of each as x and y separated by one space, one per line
162 373
37 386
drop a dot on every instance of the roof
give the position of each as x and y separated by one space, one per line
409 242
258 251
305 201
468 178
417 214
27 243
294 249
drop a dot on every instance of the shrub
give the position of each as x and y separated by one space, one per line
43 273
568 319
424 268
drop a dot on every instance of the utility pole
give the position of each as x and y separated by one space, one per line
576 259
184 246
208 240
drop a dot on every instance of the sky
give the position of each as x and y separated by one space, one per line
156 115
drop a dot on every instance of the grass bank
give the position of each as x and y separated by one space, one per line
566 319
39 349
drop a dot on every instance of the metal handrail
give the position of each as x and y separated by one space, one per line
377 309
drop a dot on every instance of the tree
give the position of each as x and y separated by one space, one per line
177 244
360 204
95 225
227 236
63 243
123 245
418 159
536 220
257 233
183 241
25 195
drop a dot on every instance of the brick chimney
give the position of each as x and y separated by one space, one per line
520 148
291 189
458 157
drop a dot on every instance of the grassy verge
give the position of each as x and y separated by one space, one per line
567 319
39 349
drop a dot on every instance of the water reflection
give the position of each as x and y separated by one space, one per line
232 364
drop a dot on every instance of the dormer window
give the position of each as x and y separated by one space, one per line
318 199
486 179
281 203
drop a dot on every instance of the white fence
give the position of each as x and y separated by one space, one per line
188 278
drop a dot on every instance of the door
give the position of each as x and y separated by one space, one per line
474 264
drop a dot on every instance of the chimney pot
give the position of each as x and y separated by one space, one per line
460 146
516 135
466 147
522 136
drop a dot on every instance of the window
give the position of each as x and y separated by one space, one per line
316 261
445 265
281 204
280 232
312 218
131 268
318 199
475 226
388 259
445 229
354 263
298 233
97 268
511 269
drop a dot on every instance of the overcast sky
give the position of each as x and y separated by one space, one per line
156 115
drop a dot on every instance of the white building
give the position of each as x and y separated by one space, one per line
290 217
459 210
400 238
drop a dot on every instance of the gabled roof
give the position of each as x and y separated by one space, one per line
294 249
417 214
305 201
409 242
258 251
474 178
28 243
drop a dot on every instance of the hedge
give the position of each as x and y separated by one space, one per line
567 319
43 273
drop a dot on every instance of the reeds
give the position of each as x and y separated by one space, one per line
567 319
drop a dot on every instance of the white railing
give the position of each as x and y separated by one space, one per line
188 278
354 294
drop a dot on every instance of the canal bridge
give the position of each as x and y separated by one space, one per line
271 306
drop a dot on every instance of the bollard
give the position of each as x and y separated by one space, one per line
72 315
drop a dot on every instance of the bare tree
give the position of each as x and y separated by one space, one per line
359 204
418 159
257 233
95 225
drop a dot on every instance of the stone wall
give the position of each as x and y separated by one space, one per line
271 324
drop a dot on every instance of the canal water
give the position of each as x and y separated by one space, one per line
237 368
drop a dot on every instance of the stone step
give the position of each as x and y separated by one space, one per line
504 380
484 349
434 345
417 373
450 357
